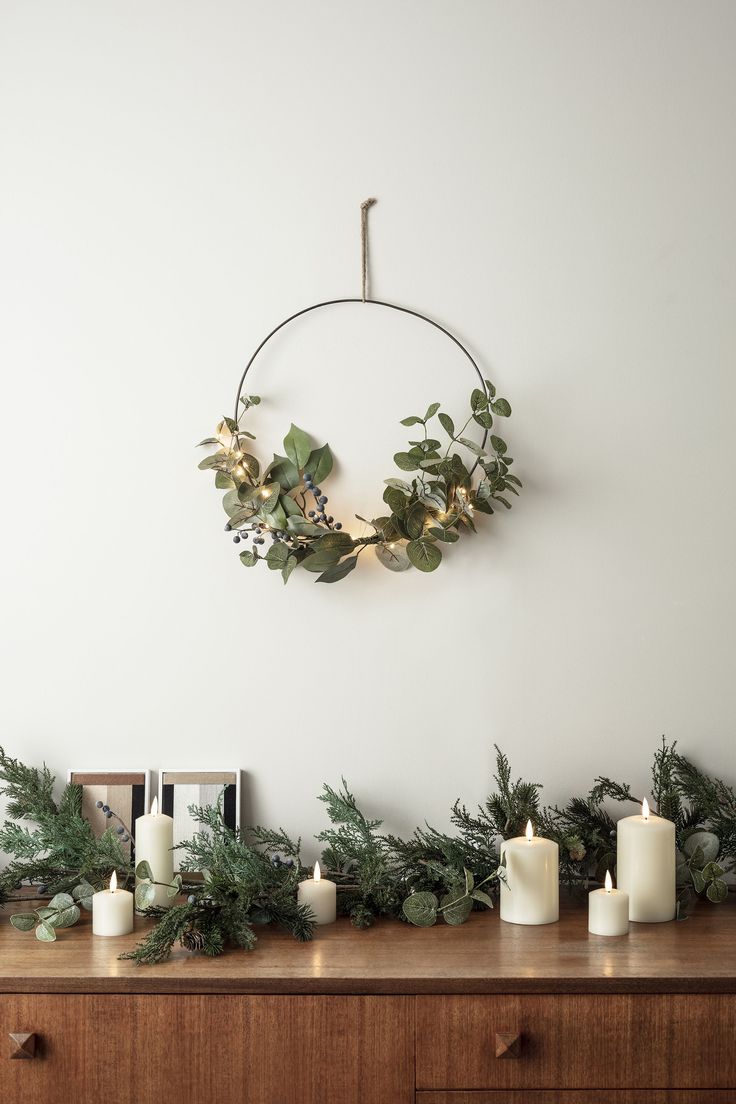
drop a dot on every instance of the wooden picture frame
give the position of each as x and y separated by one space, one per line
127 792
177 789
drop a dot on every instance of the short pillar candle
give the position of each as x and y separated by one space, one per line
112 910
531 894
646 858
608 910
320 895
154 840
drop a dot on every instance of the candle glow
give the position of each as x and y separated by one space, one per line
317 872
645 809
609 881
529 831
113 882
154 807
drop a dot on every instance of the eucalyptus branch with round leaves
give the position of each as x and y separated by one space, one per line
450 479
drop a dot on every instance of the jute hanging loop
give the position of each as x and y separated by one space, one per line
364 208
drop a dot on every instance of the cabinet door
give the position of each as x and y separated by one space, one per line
209 1050
582 1096
567 1041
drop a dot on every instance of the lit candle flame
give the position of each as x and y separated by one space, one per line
154 807
645 809
609 881
317 872
529 831
113 882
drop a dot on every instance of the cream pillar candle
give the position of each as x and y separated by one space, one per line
532 893
154 839
608 910
321 896
112 910
645 866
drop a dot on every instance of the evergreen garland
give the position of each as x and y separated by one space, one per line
250 877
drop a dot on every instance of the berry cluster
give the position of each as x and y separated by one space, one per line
121 830
320 502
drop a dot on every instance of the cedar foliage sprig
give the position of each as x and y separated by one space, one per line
246 883
60 849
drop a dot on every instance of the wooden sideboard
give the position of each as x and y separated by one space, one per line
488 1013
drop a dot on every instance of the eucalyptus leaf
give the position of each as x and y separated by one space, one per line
501 407
410 421
45 932
472 445
223 481
708 843
283 471
143 870
447 424
174 889
329 541
482 898
424 555
498 443
456 906
339 571
393 556
321 561
297 446
23 921
484 418
431 411
303 528
420 909
288 567
406 462
319 464
478 400
277 556
717 891
83 894
248 558
145 895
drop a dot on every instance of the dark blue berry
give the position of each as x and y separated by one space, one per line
191 899
98 804
236 539
105 808
317 492
43 890
125 838
120 830
228 527
307 477
243 536
311 513
330 520
323 500
108 814
338 525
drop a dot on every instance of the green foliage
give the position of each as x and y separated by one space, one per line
451 483
247 883
59 849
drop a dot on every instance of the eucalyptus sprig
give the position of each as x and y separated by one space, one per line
453 477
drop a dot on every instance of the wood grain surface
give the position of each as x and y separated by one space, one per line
211 1050
576 1041
483 956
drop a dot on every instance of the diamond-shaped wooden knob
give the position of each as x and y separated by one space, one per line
23 1044
508 1044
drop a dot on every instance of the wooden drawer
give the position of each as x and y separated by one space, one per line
580 1096
209 1049
576 1042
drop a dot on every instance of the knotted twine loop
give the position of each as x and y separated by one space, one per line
364 207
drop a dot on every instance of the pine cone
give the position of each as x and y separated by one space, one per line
192 939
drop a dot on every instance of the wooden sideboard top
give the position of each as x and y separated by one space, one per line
483 956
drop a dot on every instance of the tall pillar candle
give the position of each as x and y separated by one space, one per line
154 839
645 866
532 892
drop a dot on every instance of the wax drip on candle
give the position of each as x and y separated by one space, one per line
317 872
529 831
154 807
113 882
645 809
609 882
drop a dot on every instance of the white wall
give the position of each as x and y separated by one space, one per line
556 183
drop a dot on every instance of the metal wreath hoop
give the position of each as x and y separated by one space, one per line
375 303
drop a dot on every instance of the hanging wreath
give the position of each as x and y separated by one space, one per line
449 478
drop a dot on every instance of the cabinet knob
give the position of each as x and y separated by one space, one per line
508 1044
23 1044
